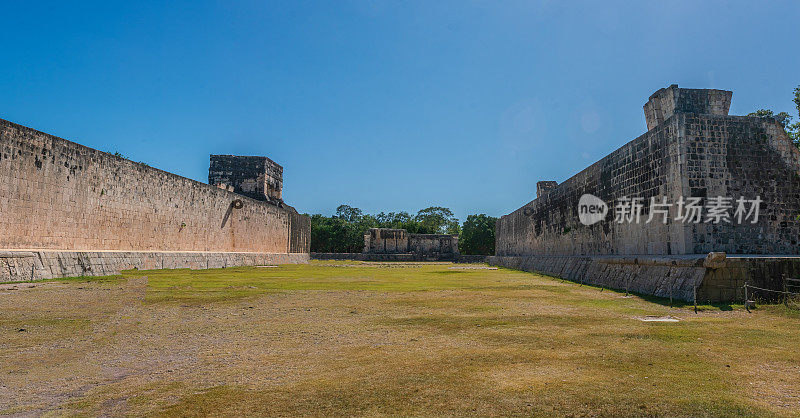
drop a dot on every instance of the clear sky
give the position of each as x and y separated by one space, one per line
383 105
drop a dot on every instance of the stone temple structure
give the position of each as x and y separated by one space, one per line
698 181
68 210
387 244
423 246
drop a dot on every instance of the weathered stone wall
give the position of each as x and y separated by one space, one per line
645 167
59 195
742 156
677 277
693 149
690 155
46 264
299 233
398 241
404 257
385 241
433 245
542 187
726 283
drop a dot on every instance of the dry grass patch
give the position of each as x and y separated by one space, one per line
349 338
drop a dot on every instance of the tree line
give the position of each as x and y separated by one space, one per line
344 231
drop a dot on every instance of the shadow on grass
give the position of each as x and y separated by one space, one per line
659 300
683 304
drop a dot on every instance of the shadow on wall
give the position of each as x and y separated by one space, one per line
236 204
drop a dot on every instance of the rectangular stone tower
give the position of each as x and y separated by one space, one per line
256 177
672 100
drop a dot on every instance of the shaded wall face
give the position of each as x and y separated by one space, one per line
386 241
56 194
433 244
740 156
398 241
646 167
542 187
689 155
299 233
273 181
256 177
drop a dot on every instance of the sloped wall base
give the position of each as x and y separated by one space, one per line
41 264
675 276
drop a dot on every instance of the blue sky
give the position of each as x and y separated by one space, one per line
383 105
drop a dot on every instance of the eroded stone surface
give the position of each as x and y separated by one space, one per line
58 195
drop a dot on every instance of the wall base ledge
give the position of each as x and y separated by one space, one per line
680 277
26 265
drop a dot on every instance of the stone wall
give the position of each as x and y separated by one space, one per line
679 277
299 233
439 246
693 149
687 155
644 167
742 156
398 241
404 257
58 195
542 187
385 241
46 264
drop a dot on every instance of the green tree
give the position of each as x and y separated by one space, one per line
394 219
348 213
477 235
437 220
785 119
344 231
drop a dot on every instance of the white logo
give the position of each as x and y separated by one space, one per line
591 209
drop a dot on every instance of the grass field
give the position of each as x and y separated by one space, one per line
344 338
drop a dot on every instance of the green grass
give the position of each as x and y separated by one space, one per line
203 286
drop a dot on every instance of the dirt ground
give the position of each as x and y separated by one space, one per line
371 339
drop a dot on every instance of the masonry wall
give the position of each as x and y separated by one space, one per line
299 233
683 278
47 264
742 156
56 194
433 245
698 155
385 241
645 167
